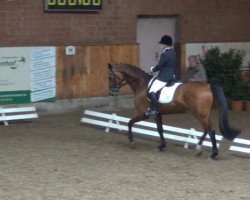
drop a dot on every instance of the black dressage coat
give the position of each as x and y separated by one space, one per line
166 65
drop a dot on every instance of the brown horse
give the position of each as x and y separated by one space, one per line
196 96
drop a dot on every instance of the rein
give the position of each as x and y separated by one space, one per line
118 86
135 80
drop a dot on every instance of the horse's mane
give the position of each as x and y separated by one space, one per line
132 69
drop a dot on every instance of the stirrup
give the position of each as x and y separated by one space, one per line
150 112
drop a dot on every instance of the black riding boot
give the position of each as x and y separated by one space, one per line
154 105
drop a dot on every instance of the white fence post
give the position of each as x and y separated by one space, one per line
186 145
3 115
111 122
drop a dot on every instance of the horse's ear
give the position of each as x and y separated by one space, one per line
111 67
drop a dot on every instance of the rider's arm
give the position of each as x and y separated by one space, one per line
161 63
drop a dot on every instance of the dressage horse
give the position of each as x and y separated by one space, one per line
196 96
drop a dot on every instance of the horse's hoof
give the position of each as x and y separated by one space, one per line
212 157
161 147
199 150
198 147
214 154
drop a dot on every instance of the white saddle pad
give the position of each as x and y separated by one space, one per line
167 93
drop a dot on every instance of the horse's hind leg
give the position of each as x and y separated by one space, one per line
207 125
158 120
137 118
214 144
199 145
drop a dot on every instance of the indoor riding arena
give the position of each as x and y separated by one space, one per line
64 137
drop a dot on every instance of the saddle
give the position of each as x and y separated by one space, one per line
166 94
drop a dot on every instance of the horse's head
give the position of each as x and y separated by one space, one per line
123 74
116 79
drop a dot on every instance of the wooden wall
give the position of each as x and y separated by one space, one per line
85 74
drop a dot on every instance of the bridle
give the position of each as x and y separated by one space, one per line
117 86
123 82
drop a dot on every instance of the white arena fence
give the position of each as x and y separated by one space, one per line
187 136
14 114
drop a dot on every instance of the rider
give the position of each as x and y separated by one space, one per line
167 69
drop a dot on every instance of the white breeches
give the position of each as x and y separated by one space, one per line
157 85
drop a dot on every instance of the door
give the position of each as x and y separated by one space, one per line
149 32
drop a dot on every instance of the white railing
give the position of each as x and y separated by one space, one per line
22 113
187 136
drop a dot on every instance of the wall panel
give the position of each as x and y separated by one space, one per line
85 74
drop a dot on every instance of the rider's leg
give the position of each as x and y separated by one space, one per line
154 105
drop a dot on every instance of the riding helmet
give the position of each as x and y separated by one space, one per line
167 40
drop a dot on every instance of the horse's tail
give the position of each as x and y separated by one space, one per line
226 131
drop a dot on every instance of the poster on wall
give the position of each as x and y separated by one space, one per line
43 86
27 74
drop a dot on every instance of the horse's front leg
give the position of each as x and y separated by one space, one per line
137 118
158 121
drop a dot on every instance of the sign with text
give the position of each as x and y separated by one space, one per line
43 74
26 73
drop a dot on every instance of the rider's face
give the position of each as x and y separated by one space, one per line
163 46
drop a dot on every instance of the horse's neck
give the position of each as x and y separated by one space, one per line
137 81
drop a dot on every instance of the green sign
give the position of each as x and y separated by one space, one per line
15 97
27 74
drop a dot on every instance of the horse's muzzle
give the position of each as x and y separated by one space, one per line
113 91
